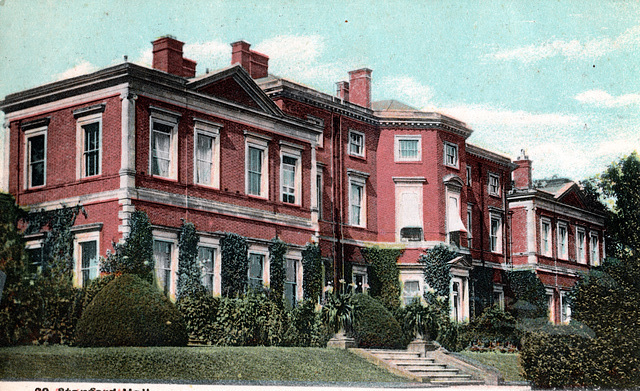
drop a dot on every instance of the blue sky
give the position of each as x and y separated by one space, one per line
560 79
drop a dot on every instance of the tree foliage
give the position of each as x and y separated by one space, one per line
277 269
383 274
135 255
189 272
312 272
235 264
530 295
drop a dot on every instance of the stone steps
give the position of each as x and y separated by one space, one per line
424 368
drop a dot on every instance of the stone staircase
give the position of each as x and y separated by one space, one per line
423 369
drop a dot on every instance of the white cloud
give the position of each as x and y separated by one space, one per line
82 68
485 116
407 90
211 54
298 57
628 40
604 99
145 58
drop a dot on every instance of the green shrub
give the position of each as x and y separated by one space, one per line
383 274
308 329
495 329
374 326
94 287
130 312
421 321
437 274
199 312
253 320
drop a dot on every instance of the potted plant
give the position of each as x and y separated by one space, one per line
337 314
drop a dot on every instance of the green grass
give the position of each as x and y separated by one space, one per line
189 364
506 363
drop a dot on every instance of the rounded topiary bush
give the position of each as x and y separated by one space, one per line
373 325
130 312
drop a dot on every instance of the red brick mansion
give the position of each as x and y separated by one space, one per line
240 150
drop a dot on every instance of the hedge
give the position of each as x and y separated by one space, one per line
373 325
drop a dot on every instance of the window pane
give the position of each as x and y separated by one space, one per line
356 203
255 270
408 149
89 261
288 179
36 160
255 171
91 149
161 145
162 255
290 283
206 261
204 159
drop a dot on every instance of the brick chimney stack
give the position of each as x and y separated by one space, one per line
343 90
168 57
522 174
257 64
360 87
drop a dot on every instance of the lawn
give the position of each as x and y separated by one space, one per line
190 364
506 363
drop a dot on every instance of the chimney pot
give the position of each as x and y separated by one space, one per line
522 174
168 57
343 90
360 87
257 64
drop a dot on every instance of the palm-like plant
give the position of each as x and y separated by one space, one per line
337 312
422 320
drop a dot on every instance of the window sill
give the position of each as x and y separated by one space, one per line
408 161
208 187
359 157
168 179
257 197
457 168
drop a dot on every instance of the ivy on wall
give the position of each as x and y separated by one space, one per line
277 271
189 272
481 279
530 294
235 264
437 274
135 255
312 272
383 274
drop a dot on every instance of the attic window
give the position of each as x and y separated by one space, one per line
412 234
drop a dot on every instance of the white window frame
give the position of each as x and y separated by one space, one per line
359 270
469 180
212 243
581 248
208 129
594 251
259 142
357 178
170 119
350 144
498 290
297 266
81 162
456 150
79 238
497 248
493 177
563 244
548 252
397 152
40 131
469 225
172 239
205 275
292 151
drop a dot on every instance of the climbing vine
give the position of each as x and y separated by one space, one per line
135 255
277 272
189 272
383 274
312 272
235 264
437 274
